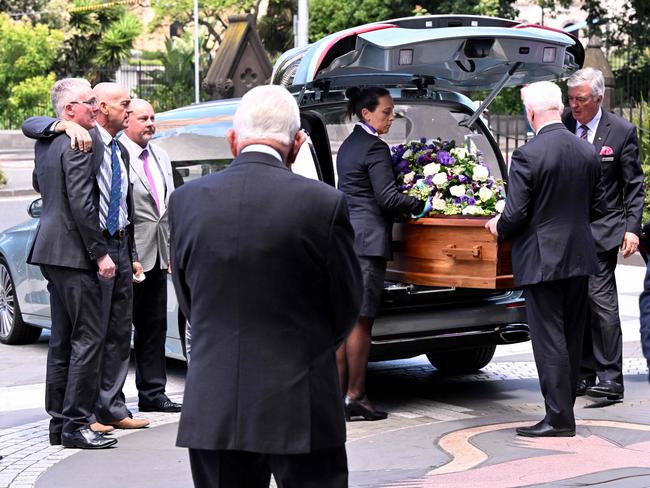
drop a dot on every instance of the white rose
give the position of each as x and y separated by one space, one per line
458 152
406 154
471 210
438 203
480 173
439 179
457 190
485 194
408 178
431 169
500 205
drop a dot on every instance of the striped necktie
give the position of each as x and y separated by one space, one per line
113 216
584 133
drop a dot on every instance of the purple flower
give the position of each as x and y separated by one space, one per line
462 179
403 166
423 140
458 200
428 180
471 201
445 158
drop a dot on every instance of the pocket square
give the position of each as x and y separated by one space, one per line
606 151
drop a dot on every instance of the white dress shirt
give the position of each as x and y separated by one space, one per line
104 178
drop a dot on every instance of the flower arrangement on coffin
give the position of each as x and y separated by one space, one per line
452 179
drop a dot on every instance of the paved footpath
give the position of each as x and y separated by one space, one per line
441 432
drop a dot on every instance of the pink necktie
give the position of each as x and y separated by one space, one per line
145 164
584 133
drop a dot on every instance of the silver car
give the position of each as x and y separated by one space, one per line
425 62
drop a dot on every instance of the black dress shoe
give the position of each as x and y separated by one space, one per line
86 439
55 439
606 389
583 384
164 405
356 408
544 429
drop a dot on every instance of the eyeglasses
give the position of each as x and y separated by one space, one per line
579 100
92 102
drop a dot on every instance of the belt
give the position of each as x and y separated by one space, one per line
119 234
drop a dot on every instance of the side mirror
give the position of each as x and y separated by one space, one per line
35 208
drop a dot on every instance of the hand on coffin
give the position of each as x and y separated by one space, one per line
428 206
491 225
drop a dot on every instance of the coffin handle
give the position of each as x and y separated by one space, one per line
462 253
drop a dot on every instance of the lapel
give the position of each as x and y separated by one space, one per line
165 170
602 131
138 168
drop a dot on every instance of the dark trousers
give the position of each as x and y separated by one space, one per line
644 315
75 349
557 316
117 302
324 468
150 330
602 354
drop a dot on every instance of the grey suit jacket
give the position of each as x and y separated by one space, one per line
151 229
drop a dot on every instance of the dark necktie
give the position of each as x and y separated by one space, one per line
113 217
584 133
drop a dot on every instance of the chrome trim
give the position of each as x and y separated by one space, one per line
496 330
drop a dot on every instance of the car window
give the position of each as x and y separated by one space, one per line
415 120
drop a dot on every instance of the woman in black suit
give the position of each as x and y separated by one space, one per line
365 175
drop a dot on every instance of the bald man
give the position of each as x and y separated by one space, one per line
115 206
152 180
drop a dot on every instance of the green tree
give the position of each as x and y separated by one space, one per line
276 27
174 86
213 16
27 54
98 38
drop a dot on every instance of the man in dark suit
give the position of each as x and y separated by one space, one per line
152 180
265 271
73 257
616 142
115 215
554 191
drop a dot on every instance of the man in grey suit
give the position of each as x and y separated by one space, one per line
73 257
152 180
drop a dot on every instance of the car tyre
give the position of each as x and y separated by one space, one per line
462 362
12 328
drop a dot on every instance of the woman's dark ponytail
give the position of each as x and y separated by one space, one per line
359 98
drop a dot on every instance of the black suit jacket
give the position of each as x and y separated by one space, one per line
554 191
365 175
622 179
68 232
265 271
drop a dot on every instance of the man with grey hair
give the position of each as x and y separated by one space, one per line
265 271
615 141
73 257
554 192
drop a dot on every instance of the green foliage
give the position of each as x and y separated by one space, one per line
641 118
27 54
3 179
87 27
212 15
116 43
328 16
276 27
173 87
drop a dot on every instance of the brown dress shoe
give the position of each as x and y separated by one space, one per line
129 423
104 429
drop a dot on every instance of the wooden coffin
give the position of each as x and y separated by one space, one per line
450 251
